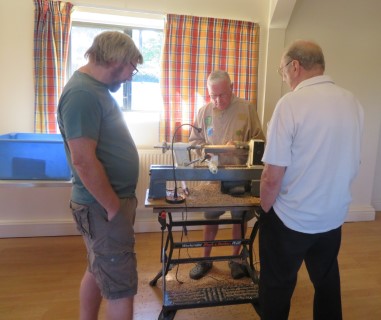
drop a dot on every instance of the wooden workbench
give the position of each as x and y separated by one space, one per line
206 197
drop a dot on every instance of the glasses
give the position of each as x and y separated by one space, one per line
216 96
280 69
135 70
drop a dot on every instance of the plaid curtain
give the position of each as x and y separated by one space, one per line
51 39
194 47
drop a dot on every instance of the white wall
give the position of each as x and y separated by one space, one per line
16 62
376 198
42 209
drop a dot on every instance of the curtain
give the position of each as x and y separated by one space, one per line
51 39
193 47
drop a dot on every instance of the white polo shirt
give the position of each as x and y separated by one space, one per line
315 132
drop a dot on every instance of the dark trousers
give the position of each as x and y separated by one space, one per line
282 252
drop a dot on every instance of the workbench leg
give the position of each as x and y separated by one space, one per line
153 282
167 315
162 218
253 235
256 307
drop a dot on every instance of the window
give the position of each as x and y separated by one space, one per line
143 93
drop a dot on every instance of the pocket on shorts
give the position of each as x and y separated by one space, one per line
116 275
81 216
121 230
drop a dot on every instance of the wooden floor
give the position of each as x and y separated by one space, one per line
39 278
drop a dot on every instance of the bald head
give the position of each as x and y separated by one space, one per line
308 53
219 76
300 61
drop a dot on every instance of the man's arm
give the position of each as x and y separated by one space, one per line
196 137
271 181
257 132
92 174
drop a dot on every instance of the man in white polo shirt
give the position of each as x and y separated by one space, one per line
311 158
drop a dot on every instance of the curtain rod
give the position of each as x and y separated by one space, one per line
153 14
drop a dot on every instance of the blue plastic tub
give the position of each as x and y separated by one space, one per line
33 156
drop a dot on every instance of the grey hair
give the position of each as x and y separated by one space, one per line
218 75
308 53
113 46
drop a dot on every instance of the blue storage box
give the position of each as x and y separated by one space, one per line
33 156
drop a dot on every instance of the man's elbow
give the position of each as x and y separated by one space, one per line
272 176
268 184
80 164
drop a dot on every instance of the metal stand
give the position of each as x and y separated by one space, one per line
205 297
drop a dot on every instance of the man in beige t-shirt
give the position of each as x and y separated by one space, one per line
227 119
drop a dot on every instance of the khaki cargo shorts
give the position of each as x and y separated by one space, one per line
110 246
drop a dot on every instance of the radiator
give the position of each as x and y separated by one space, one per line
146 158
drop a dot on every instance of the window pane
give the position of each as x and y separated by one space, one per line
147 79
81 39
145 87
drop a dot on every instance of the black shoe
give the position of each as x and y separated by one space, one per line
237 270
200 270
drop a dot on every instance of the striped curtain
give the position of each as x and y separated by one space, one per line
195 46
51 39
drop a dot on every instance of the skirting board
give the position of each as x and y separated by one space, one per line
361 213
377 205
41 228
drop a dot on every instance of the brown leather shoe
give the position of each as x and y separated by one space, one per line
237 270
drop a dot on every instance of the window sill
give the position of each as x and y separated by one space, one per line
34 183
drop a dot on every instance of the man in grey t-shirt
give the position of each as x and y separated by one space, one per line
105 167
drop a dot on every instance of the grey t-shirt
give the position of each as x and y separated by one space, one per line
87 109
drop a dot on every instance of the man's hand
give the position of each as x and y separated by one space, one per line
113 212
230 143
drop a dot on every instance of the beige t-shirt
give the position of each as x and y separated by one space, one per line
238 123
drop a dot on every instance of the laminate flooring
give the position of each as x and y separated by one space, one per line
39 277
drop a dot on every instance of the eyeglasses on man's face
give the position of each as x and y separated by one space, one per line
135 70
220 96
280 69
